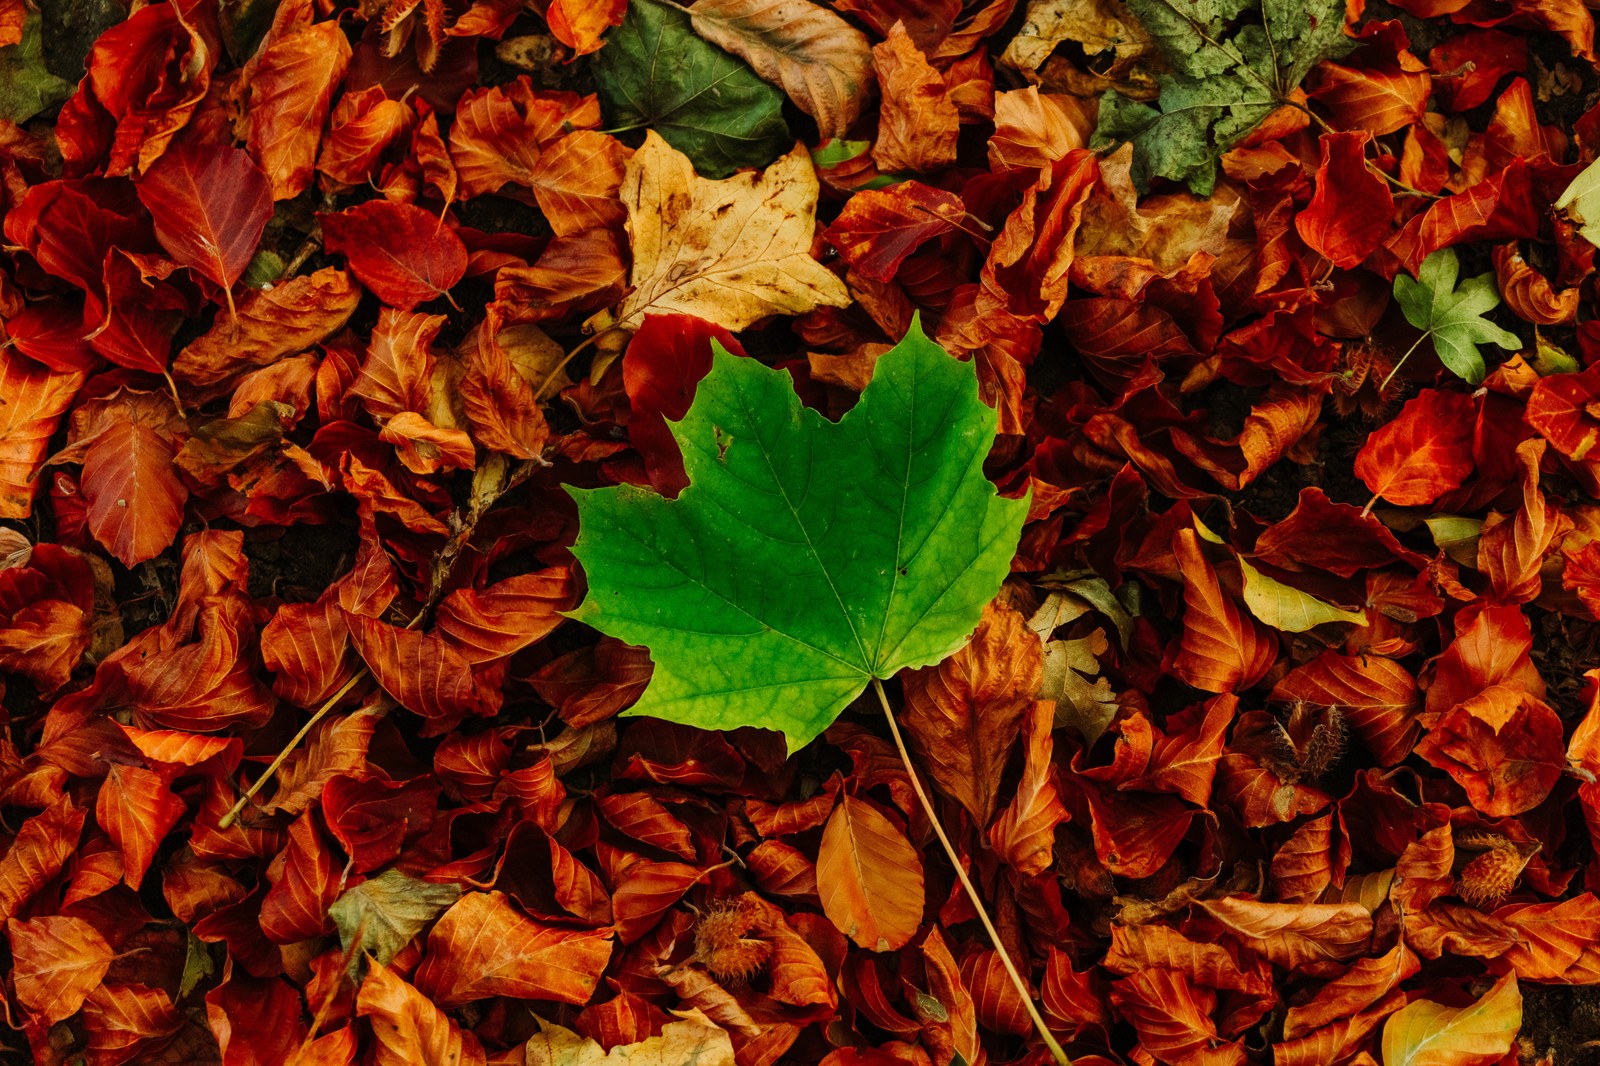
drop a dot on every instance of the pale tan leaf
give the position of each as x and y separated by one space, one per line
691 1039
731 251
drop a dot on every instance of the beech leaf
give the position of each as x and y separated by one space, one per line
1425 1033
806 557
690 1039
819 59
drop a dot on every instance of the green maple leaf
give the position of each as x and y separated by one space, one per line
708 104
806 557
1231 64
1453 316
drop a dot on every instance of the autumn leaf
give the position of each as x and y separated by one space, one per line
380 916
690 1039
815 56
869 877
405 255
57 962
729 251
1424 1033
210 206
657 73
1422 454
861 600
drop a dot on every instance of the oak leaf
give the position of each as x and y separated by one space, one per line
732 251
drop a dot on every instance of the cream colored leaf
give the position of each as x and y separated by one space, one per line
1097 26
690 1040
819 59
1424 1033
730 251
1287 608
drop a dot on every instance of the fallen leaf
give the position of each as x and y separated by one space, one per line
730 251
869 877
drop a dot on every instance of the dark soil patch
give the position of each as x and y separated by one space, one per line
1561 1021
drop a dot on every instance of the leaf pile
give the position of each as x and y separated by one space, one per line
1279 744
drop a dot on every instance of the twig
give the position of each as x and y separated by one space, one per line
966 883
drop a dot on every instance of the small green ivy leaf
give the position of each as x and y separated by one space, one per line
1453 316
806 557
26 86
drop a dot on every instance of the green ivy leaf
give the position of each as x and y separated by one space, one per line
1232 63
806 557
1453 316
26 87
655 71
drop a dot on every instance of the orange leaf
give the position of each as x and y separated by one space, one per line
917 122
408 1029
870 877
1424 453
482 947
137 810
580 24
1024 834
56 963
1294 935
35 401
963 715
1223 648
291 89
41 848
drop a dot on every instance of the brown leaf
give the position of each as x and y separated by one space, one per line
918 123
35 400
1024 834
818 58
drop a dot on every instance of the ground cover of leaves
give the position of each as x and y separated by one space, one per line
1279 745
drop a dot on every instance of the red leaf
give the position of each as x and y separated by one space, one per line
1424 453
210 204
135 497
664 362
879 228
296 906
1352 209
404 254
1377 696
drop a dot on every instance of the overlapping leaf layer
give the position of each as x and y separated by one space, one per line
1279 744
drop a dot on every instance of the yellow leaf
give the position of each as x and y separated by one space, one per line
691 1039
731 251
1424 1033
1288 609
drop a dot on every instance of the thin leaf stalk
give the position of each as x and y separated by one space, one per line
1017 979
444 562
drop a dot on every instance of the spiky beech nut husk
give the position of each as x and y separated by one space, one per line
1325 745
1490 877
722 945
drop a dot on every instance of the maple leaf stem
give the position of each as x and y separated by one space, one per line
1414 345
966 883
